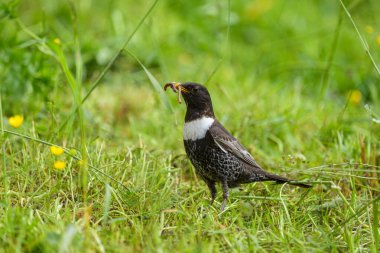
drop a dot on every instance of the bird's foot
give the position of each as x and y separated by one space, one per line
223 205
225 195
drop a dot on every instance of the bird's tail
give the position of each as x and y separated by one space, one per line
283 180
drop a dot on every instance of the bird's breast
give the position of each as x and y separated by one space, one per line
197 129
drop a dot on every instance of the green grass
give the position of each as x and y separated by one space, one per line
295 81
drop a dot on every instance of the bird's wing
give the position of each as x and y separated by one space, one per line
229 144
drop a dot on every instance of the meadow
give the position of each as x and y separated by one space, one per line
92 158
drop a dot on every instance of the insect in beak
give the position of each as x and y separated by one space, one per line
177 88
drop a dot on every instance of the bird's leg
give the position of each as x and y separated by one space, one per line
212 188
225 194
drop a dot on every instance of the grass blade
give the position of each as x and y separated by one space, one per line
362 40
67 238
108 66
156 85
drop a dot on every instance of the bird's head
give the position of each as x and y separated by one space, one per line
196 96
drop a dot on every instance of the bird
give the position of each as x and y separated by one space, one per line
217 156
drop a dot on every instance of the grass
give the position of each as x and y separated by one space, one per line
296 83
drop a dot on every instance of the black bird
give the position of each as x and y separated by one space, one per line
217 156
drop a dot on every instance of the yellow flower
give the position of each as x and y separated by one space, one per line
56 150
355 96
369 29
57 41
59 165
378 39
16 121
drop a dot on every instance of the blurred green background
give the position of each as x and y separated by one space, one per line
273 61
274 46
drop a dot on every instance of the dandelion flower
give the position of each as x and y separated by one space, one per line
55 150
369 29
57 41
16 121
355 97
59 165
